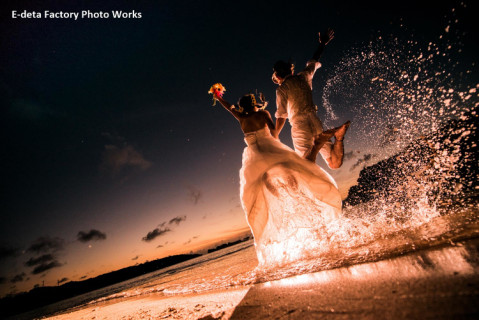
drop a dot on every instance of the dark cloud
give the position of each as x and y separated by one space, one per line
116 159
46 266
155 233
189 241
362 160
83 277
349 155
62 280
39 260
43 263
194 194
162 245
177 220
18 278
135 258
46 244
90 235
7 252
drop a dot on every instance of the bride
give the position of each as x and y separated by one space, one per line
288 200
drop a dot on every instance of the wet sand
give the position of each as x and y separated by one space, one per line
424 285
438 283
211 305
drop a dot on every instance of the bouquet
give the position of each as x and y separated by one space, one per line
217 90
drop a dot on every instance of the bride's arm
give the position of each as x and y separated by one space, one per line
228 107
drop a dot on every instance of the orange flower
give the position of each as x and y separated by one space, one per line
217 90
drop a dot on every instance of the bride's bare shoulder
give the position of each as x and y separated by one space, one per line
264 112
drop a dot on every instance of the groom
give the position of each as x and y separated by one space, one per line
294 101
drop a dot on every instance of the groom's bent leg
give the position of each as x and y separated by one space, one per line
303 134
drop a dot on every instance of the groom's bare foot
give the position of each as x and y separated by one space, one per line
340 132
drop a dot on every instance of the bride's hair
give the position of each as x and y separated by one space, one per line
283 68
247 103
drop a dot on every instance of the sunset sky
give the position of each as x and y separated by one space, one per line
113 153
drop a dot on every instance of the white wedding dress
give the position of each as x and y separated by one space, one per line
288 200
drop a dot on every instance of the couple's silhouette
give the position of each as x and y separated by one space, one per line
287 198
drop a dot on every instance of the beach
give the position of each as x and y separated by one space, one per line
436 283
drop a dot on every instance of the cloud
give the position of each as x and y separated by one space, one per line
155 233
362 160
3 280
135 258
194 194
92 235
191 239
162 245
46 244
39 260
46 266
18 278
349 155
161 229
116 159
7 252
62 280
83 277
177 220
43 263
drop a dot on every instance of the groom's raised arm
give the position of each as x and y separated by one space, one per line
324 39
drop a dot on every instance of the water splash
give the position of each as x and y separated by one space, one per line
414 110
397 90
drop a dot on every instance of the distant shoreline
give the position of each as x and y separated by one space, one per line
42 296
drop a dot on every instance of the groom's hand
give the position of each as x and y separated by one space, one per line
326 37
